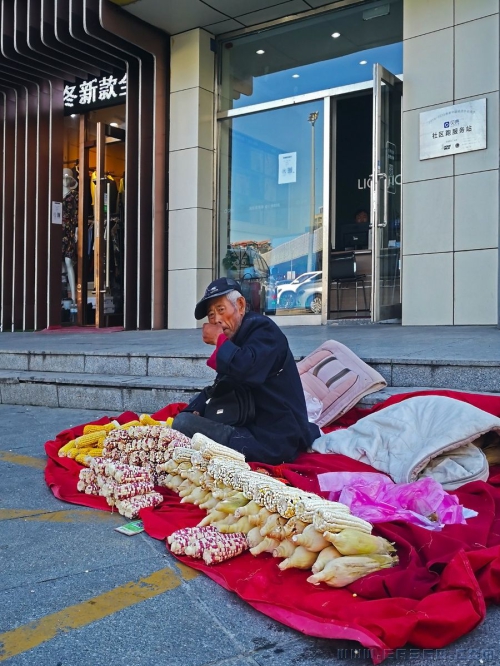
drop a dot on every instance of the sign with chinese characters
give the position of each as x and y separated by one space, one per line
453 129
95 94
287 168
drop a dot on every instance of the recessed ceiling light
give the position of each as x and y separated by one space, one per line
260 52
335 35
295 76
363 62
73 115
114 124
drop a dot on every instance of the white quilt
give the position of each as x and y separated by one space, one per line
421 436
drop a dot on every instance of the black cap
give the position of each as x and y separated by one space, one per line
216 288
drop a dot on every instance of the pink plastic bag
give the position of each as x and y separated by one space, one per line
376 498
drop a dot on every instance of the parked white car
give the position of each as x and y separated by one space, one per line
305 292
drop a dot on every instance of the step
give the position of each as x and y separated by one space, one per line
472 375
96 391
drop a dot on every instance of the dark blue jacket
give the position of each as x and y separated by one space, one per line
255 357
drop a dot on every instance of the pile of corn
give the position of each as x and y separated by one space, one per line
125 487
303 529
90 444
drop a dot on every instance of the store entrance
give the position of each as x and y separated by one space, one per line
94 219
365 230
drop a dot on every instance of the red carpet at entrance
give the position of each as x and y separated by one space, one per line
437 593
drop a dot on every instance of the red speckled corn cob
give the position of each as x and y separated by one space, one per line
180 539
131 507
225 551
126 490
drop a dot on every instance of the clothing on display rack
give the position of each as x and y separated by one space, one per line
69 225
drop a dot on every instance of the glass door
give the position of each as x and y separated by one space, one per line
271 208
386 196
109 225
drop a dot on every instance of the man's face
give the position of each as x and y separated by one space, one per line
222 312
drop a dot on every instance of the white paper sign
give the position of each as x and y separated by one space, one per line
56 212
453 129
287 168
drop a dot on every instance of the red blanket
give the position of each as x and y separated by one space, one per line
436 594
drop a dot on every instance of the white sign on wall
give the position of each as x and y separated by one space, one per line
453 129
57 212
287 168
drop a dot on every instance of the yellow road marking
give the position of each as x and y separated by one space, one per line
10 514
17 459
70 516
40 631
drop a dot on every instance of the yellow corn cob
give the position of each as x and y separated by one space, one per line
146 419
82 458
128 425
92 438
95 453
63 451
97 428
169 422
76 452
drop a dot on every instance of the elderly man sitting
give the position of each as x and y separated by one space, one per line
251 354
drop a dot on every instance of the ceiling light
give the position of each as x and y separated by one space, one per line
260 52
73 115
335 35
295 76
114 124
363 62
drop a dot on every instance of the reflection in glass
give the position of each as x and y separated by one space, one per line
271 214
304 56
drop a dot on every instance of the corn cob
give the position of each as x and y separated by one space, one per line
211 449
294 526
309 504
84 441
242 525
121 491
63 451
198 544
286 504
131 507
146 419
73 453
98 428
343 571
254 537
354 542
267 545
182 454
301 558
274 521
226 551
82 457
130 424
311 539
179 539
325 556
92 489
342 521
285 549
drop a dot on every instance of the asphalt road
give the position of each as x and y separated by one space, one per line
73 592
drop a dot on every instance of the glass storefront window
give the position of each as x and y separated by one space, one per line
325 51
271 207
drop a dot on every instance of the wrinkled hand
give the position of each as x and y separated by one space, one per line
211 333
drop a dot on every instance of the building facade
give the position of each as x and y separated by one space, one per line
339 159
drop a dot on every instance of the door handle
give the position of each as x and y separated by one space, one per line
383 177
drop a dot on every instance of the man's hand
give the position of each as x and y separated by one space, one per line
211 333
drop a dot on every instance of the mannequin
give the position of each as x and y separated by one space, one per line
70 227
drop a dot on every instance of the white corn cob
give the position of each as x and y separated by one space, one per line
301 558
181 454
211 449
342 521
325 556
345 570
285 549
311 539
